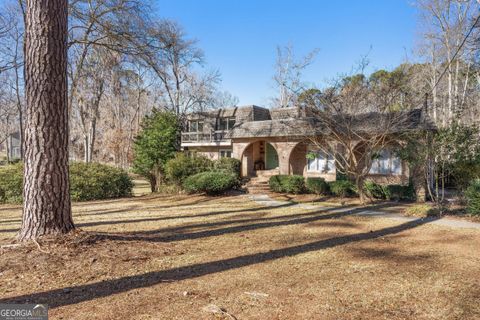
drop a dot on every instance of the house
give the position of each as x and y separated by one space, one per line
10 148
276 141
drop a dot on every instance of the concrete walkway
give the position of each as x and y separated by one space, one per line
266 201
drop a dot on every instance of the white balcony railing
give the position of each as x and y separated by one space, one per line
199 137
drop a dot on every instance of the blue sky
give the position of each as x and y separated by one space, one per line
239 37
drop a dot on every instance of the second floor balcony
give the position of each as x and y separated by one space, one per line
205 138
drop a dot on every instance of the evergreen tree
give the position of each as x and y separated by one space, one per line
155 145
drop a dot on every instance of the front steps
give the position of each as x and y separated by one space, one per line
259 184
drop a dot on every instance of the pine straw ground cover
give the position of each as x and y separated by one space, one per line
193 257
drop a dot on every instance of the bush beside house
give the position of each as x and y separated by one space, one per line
184 165
287 183
210 182
92 181
342 188
197 174
317 186
393 192
230 165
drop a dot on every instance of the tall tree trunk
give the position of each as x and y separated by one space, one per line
91 139
86 145
47 207
19 103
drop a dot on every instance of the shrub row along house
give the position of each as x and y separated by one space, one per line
286 140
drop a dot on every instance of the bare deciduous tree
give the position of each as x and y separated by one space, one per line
174 58
355 122
288 75
451 76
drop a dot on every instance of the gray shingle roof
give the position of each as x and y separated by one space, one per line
372 122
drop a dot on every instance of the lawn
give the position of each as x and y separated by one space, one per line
186 257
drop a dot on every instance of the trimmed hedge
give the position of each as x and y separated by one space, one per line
230 165
287 183
92 181
390 192
183 166
342 188
317 186
473 197
210 182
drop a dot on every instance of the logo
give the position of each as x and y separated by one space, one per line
23 312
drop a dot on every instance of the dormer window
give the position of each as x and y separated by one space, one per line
195 126
224 124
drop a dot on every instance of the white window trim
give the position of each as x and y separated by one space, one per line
327 159
390 171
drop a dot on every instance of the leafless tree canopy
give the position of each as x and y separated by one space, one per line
450 59
357 117
122 62
288 77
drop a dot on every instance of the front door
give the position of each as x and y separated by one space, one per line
271 157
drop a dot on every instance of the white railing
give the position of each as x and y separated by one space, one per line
213 136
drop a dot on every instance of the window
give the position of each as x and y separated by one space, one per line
225 153
386 162
225 123
321 162
195 126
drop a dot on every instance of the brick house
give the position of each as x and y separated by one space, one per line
274 141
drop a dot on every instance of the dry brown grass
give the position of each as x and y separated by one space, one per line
168 257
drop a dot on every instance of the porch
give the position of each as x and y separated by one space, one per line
262 156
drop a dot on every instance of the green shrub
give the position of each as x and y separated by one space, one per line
186 165
394 192
287 183
230 165
374 190
342 188
11 182
210 182
473 197
91 181
398 192
95 181
275 183
317 186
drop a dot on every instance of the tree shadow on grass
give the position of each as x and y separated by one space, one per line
153 235
128 221
58 297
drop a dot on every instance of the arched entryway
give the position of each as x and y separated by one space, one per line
259 155
297 160
271 157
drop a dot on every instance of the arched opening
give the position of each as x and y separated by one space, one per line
298 160
258 156
312 160
271 157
